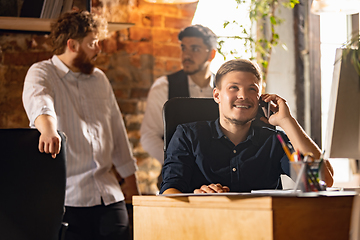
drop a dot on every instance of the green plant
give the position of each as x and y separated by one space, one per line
352 47
263 13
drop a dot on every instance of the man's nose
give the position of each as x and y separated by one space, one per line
241 94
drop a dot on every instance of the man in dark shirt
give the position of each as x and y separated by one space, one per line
229 154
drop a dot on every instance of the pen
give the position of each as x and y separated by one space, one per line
286 149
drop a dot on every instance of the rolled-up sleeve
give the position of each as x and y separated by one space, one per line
38 97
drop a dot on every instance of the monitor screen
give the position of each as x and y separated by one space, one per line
342 138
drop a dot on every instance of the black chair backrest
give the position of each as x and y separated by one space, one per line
32 187
184 110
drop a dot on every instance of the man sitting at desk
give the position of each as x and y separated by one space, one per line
229 154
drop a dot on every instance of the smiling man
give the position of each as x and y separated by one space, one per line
68 93
198 47
230 154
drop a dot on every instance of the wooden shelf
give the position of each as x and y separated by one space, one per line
43 25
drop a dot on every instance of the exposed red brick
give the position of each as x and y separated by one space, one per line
188 10
139 93
141 106
109 45
179 23
25 58
167 9
14 77
139 48
127 107
103 59
174 36
135 17
162 35
159 63
152 20
140 34
135 61
122 93
164 50
134 134
40 42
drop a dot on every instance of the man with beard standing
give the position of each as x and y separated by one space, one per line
198 46
69 94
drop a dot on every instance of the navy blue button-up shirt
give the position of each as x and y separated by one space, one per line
200 154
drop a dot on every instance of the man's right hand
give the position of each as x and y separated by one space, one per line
50 140
50 143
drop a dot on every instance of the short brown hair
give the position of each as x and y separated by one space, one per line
197 30
74 25
242 65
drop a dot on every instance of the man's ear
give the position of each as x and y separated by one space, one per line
212 54
73 45
216 95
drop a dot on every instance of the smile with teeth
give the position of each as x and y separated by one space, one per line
242 106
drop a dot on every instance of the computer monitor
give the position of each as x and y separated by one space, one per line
342 138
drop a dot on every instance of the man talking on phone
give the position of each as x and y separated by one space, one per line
231 153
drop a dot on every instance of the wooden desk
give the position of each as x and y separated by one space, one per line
241 217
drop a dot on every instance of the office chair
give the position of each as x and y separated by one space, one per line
32 186
184 110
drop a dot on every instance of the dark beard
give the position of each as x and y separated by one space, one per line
237 122
83 63
195 71
200 68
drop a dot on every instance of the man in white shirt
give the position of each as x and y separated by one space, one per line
67 93
198 46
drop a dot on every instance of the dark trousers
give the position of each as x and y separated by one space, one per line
97 223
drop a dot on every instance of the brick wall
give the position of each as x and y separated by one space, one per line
131 58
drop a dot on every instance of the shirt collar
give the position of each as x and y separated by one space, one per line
211 83
253 135
62 69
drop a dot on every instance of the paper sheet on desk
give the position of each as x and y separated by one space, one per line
203 194
267 192
253 193
299 193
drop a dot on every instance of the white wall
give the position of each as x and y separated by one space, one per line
281 76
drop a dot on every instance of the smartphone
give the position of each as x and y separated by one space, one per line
266 108
263 111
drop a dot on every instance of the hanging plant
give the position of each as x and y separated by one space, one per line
263 15
352 47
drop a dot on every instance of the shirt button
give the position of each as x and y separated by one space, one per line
234 151
234 169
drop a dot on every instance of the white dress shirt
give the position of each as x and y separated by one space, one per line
87 112
152 127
